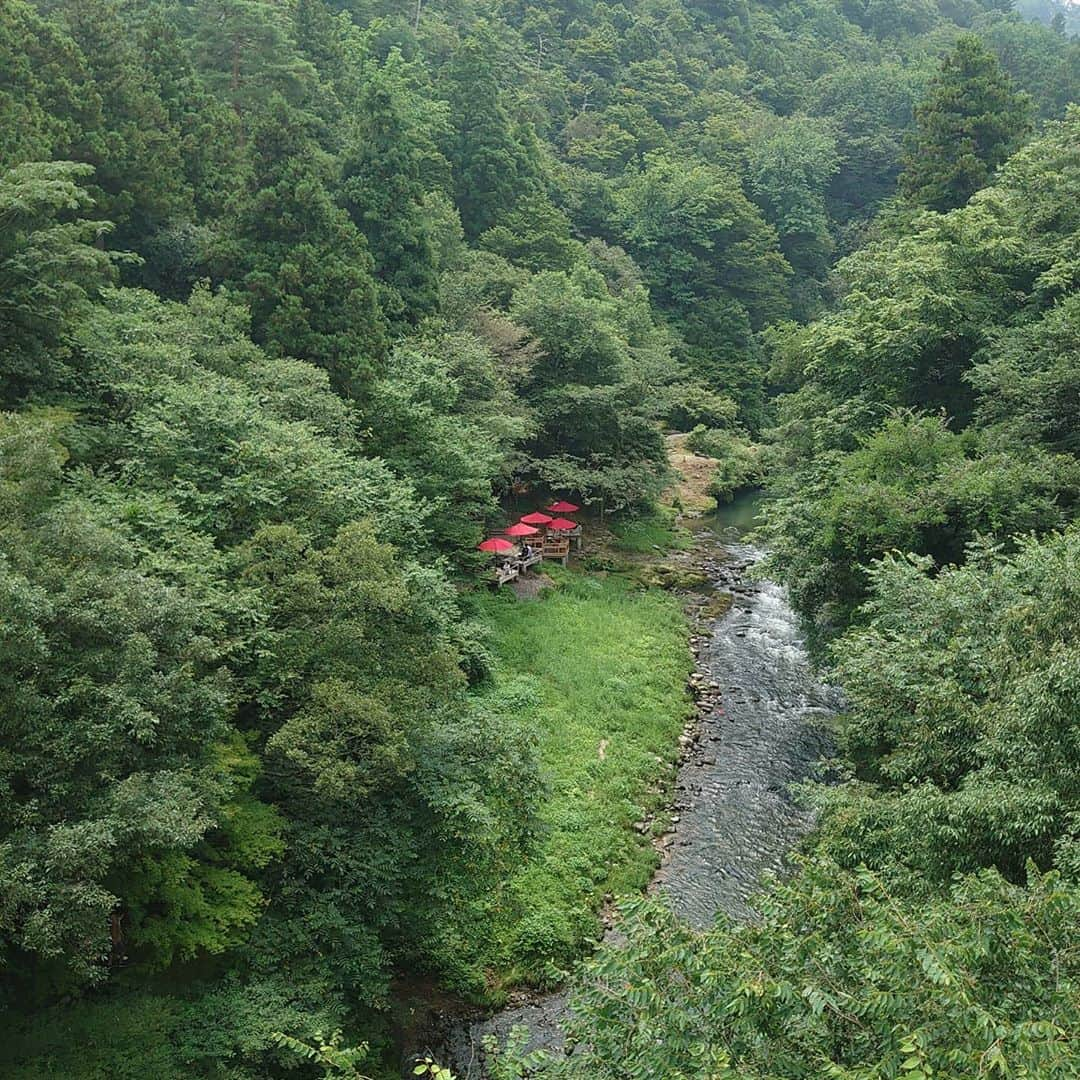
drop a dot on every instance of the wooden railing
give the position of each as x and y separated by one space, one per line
556 549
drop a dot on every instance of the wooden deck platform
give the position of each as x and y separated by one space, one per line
556 548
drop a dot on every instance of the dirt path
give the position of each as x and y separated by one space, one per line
690 492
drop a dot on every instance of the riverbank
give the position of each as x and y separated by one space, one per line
598 668
759 724
601 663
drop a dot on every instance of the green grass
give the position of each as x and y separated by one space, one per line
642 535
605 666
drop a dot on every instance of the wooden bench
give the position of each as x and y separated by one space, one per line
527 564
504 573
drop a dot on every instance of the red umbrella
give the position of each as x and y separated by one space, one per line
496 543
562 525
536 518
563 507
521 530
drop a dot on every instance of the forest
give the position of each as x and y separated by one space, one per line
297 296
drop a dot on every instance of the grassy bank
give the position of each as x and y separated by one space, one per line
601 669
649 533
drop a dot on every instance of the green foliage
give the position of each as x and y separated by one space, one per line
225 1030
950 954
962 693
709 256
839 978
138 181
152 836
913 485
246 53
512 1061
957 306
1029 381
336 1060
871 106
445 419
115 693
1039 60
182 905
382 188
535 234
258 753
110 1039
301 261
184 381
790 167
739 465
43 90
600 672
492 163
50 268
593 437
970 121
648 532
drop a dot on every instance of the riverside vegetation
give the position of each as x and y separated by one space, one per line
293 293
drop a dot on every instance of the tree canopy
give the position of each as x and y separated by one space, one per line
297 298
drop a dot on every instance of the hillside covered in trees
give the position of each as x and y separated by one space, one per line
294 294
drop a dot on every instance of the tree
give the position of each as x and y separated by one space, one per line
839 977
388 776
44 96
174 383
210 133
446 419
971 301
382 189
790 166
139 181
492 165
121 829
51 266
911 485
1038 60
1028 381
594 435
961 705
890 18
535 234
870 107
970 121
711 260
248 54
303 265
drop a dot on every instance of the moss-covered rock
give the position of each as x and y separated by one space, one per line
671 576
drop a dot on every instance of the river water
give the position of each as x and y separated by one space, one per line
762 726
766 730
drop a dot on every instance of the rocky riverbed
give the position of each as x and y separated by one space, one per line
760 726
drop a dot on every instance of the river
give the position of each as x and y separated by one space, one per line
762 726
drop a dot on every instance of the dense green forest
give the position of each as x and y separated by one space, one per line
296 294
